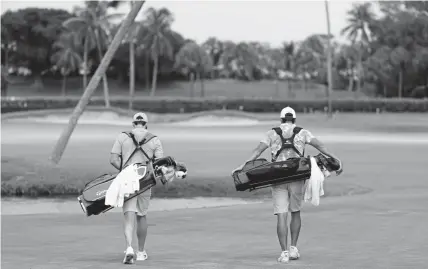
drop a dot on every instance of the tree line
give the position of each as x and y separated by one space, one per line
387 53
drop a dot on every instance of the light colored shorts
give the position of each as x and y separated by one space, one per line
139 204
288 197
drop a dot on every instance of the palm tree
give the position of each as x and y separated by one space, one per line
329 61
358 30
289 51
349 55
7 46
400 57
193 59
132 39
67 57
214 48
241 59
381 69
95 80
92 24
157 38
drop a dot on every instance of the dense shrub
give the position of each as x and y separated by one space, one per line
186 105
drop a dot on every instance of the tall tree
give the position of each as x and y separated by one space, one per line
289 51
33 32
349 55
93 83
360 19
215 49
157 37
66 57
193 61
329 61
131 38
241 60
92 24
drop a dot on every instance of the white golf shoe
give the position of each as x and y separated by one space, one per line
129 256
284 257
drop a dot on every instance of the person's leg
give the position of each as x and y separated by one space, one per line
295 225
129 212
282 230
296 198
280 204
129 224
142 206
141 231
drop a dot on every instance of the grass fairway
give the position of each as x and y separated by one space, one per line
381 227
209 152
209 155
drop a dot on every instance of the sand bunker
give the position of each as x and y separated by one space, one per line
113 118
211 120
17 206
88 117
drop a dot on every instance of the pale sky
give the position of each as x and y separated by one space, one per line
264 21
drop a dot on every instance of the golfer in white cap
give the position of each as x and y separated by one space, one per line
288 197
136 146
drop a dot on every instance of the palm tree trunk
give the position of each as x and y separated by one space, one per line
131 67
192 84
400 84
305 84
131 73
147 69
351 75
276 88
201 78
6 59
155 75
64 83
85 63
360 73
95 80
329 62
100 55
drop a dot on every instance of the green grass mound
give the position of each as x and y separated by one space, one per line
29 179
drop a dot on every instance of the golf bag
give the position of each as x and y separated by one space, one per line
260 173
92 198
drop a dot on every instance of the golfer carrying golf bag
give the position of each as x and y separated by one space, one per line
288 141
136 146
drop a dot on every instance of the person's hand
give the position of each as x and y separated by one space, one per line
239 168
340 170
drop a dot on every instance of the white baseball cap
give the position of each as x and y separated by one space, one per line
140 116
288 110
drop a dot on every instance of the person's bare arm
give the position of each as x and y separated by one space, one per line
158 151
115 160
254 155
323 149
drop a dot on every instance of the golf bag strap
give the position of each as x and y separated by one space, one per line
287 142
138 146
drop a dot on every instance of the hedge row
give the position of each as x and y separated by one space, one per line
188 105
